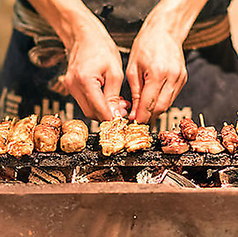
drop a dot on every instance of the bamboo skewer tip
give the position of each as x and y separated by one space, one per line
201 118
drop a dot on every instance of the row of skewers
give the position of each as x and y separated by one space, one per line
199 139
22 137
19 138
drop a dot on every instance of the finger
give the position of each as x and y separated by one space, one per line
182 81
112 87
135 80
124 104
70 83
154 82
88 94
96 100
169 92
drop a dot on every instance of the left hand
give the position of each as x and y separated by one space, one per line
156 72
156 69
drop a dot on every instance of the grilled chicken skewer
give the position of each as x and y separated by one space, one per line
5 132
75 135
173 142
137 137
206 141
188 128
112 135
46 134
229 137
21 139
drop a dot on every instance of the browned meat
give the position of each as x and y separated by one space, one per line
137 137
206 141
173 142
52 121
229 138
47 133
45 138
112 136
75 135
5 132
188 128
21 140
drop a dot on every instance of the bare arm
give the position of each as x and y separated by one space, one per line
94 58
156 70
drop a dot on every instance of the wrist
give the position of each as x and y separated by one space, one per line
175 17
71 20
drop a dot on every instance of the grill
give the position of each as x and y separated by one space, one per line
119 208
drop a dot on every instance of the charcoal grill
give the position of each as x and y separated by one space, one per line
118 208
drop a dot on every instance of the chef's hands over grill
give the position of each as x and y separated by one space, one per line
156 69
94 59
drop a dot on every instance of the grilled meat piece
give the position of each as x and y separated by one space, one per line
46 134
229 138
206 141
112 136
5 132
173 142
52 121
137 137
45 138
21 140
188 128
75 135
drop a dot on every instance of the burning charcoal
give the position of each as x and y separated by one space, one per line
7 174
45 176
175 180
103 175
168 177
229 177
148 175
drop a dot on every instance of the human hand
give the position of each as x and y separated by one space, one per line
156 69
156 72
94 59
95 62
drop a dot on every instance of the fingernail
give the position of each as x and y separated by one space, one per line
116 113
132 115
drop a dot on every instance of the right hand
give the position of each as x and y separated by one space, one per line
95 62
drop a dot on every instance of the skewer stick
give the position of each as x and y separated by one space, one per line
201 118
225 123
237 123
7 118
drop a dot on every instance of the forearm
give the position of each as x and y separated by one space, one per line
70 19
175 17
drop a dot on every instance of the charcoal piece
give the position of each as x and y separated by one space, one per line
167 177
46 176
175 180
149 175
7 174
102 175
191 159
234 159
229 177
221 159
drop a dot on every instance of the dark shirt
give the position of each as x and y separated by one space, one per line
134 10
